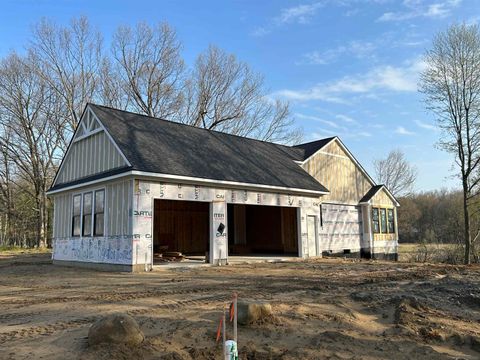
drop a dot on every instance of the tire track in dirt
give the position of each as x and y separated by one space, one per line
49 329
109 296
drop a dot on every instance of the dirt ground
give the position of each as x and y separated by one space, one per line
324 309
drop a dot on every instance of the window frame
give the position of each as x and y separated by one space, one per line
90 234
392 211
376 221
383 223
79 215
94 213
93 191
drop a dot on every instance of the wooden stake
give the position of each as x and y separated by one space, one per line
224 335
235 310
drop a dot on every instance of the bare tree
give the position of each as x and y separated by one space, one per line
396 173
111 91
6 188
150 67
68 59
451 85
33 124
225 94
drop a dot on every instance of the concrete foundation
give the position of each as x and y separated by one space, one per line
102 266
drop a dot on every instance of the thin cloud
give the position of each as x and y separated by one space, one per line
402 131
320 120
425 125
417 8
322 133
357 49
298 14
381 78
304 13
346 118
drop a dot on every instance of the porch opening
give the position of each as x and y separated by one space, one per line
180 226
262 230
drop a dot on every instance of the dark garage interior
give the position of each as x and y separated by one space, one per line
262 230
181 226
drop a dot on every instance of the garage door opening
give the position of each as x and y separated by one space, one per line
181 226
262 230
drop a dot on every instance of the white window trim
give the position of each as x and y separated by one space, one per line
82 193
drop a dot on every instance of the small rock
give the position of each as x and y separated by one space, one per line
117 329
251 312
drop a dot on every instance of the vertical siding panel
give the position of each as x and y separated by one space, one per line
98 154
90 156
118 207
130 206
102 151
339 174
77 163
111 197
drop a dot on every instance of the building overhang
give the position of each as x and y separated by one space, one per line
184 180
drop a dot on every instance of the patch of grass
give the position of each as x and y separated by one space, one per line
437 253
22 250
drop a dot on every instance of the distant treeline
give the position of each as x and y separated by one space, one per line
433 217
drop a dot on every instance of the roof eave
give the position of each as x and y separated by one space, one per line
192 180
226 183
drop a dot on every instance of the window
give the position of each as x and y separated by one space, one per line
88 217
375 220
383 221
87 214
76 215
391 221
98 217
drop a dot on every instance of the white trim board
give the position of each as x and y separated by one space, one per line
194 180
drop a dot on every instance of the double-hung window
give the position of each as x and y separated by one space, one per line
375 220
77 215
383 221
88 214
98 214
391 221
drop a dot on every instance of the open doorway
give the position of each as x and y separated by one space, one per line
262 230
181 226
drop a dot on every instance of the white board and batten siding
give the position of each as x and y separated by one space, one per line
91 152
116 244
118 208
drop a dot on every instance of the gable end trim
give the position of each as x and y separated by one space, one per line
74 140
349 154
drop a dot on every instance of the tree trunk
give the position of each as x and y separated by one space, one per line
466 218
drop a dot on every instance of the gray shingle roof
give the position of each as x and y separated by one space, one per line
371 193
166 147
310 148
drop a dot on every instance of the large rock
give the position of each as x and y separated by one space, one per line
117 329
250 312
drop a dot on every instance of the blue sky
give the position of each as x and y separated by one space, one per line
348 67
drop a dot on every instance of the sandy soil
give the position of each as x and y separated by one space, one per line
324 309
